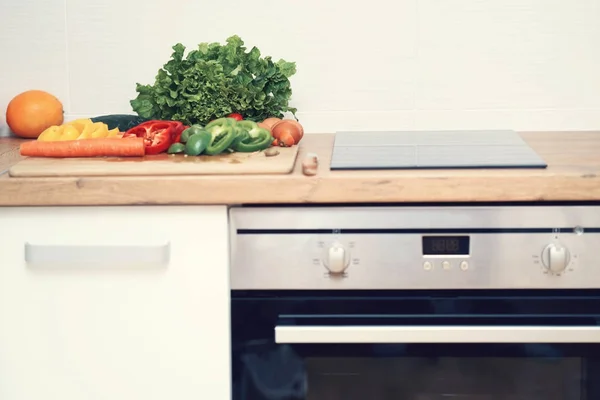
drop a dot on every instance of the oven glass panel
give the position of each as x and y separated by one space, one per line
263 369
444 378
284 374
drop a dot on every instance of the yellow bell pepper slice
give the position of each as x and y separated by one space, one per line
80 124
70 132
51 134
87 131
100 130
78 129
114 132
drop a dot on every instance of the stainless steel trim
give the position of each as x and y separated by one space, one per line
508 260
436 334
84 256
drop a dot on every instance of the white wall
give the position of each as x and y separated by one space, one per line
421 64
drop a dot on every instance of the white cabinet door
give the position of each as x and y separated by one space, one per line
114 303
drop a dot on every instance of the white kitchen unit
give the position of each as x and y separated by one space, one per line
114 303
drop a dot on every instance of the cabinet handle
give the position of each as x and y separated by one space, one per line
437 334
116 255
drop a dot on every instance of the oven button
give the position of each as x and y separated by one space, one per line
464 265
336 258
446 265
427 265
555 258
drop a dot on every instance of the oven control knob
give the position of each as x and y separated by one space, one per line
556 258
336 258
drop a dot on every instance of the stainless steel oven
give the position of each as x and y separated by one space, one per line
416 302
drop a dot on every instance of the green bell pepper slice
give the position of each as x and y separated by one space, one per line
176 148
223 133
247 125
240 134
253 138
185 135
197 143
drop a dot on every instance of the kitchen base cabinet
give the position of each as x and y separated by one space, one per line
114 303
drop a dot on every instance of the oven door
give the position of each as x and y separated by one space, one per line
459 345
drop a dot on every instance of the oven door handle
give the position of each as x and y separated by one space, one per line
437 334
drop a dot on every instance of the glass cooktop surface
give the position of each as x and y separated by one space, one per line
432 149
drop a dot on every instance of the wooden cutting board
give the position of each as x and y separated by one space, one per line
162 164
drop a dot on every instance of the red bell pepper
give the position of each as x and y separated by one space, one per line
178 127
236 116
157 135
177 131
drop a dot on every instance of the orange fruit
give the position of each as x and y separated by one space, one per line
30 113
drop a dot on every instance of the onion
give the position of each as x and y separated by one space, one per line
269 122
266 126
288 132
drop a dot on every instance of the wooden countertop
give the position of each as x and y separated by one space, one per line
573 174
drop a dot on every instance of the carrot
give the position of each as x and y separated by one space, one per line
100 147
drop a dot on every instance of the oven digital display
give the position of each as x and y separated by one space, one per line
446 245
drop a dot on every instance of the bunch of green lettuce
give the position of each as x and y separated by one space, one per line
214 81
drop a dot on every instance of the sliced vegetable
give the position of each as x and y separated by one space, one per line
88 129
77 129
189 132
52 134
80 124
177 127
158 136
240 133
114 133
104 147
154 121
197 143
177 131
99 130
287 133
122 122
176 148
223 133
252 138
247 125
236 116
259 139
